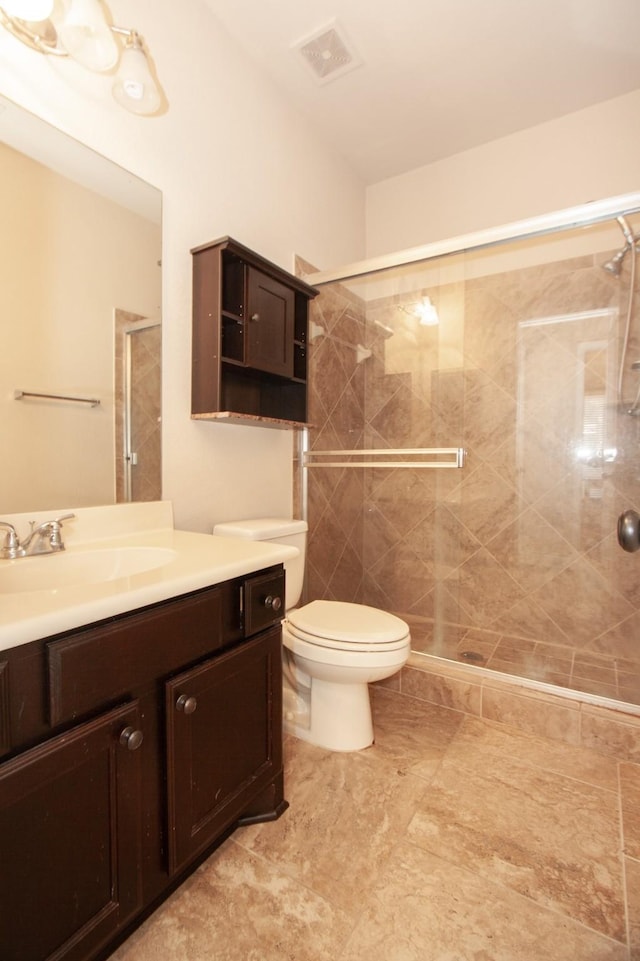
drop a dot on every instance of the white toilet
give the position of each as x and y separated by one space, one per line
332 650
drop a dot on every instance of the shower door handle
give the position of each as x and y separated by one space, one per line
629 531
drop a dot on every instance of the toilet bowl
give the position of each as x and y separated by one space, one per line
338 649
332 650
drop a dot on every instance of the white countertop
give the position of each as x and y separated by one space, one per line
199 560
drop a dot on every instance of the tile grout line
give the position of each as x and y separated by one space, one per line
623 859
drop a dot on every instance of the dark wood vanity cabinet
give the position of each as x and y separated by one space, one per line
134 747
250 322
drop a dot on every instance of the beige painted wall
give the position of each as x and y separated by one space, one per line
585 156
230 158
68 258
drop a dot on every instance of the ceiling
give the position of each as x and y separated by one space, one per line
436 77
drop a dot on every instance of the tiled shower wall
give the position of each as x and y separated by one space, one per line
512 562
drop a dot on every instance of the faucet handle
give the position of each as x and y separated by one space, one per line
11 547
55 541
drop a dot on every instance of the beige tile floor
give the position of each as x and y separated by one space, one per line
451 839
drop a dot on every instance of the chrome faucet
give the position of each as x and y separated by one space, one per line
46 538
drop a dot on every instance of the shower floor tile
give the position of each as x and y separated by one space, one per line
451 838
560 665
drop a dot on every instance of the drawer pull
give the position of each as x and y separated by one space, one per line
186 704
274 603
131 738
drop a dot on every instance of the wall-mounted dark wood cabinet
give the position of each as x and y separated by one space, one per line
249 348
131 748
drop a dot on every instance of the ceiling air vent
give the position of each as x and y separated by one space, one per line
327 53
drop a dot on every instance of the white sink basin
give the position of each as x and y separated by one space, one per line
51 572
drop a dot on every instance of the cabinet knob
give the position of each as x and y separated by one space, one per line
255 317
275 603
131 738
186 704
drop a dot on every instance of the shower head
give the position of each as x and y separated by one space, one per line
614 266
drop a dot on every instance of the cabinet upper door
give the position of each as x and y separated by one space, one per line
70 832
269 324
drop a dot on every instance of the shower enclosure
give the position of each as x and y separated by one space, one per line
475 440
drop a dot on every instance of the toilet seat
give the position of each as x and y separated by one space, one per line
348 627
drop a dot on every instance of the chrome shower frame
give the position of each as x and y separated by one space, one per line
581 216
585 215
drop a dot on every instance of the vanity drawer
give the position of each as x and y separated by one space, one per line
87 669
263 601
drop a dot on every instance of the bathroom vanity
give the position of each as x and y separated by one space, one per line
131 746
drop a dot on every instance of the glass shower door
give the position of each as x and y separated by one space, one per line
511 562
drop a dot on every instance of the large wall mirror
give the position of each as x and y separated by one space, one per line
80 334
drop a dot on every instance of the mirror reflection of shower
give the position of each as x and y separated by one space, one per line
614 266
142 413
138 399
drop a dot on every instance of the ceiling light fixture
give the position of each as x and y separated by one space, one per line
80 31
29 9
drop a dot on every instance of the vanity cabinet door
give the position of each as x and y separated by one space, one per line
70 818
224 742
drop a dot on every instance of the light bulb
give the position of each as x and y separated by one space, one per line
33 11
427 313
86 36
135 88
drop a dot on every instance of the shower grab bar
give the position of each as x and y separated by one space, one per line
457 455
19 394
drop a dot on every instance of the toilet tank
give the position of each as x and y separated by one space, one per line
276 530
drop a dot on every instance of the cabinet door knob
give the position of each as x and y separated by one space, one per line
186 704
255 317
131 738
275 603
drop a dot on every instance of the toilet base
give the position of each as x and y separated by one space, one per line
339 718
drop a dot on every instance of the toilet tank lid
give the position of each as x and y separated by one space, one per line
261 529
